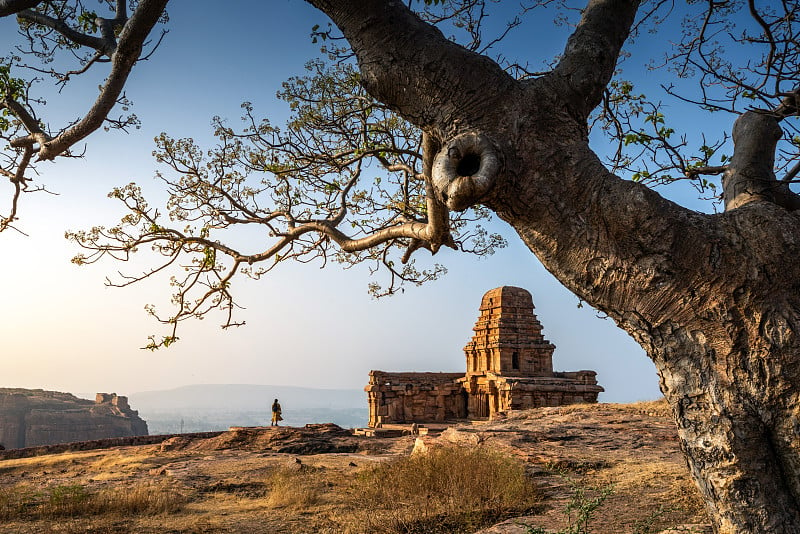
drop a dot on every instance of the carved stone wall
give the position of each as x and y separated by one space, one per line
30 418
490 394
509 367
409 397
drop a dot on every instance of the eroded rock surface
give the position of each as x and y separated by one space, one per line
33 417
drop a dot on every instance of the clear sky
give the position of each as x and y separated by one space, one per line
63 330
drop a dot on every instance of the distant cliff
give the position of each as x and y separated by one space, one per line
31 417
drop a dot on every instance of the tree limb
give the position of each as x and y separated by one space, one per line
590 56
789 176
64 29
127 52
10 7
35 133
410 65
694 171
750 176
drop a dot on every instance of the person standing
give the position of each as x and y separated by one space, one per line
276 413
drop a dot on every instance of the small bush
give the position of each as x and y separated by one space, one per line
580 510
293 488
448 489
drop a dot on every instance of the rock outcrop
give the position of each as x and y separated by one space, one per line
32 417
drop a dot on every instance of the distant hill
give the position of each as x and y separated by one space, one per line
205 407
245 397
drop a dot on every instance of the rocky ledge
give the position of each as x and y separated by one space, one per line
34 417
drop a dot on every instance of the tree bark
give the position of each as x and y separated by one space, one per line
713 299
12 7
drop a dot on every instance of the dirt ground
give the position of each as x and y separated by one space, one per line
629 453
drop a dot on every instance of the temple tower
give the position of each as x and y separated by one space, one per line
508 337
509 367
510 363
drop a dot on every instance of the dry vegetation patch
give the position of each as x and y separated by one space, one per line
23 502
447 489
296 488
529 469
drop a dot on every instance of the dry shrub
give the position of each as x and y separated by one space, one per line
65 501
17 501
143 499
447 489
24 503
294 488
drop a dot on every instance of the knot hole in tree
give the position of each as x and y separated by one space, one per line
469 165
465 170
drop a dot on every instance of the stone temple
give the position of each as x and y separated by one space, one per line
509 367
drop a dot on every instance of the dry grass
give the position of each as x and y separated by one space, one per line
630 447
448 489
294 488
24 503
143 499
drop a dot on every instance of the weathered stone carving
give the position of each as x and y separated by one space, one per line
415 397
509 367
30 418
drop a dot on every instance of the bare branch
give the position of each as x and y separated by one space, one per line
10 7
95 58
590 56
304 187
35 133
790 104
100 44
127 52
694 171
789 176
6 222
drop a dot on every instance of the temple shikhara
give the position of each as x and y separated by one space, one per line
509 367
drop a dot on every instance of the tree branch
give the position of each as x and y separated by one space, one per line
789 176
35 133
410 66
10 7
64 29
590 56
694 171
127 52
750 176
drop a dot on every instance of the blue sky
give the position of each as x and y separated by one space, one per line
63 330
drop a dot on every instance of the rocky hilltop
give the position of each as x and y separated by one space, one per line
622 461
32 417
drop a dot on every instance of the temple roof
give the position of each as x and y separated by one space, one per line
507 296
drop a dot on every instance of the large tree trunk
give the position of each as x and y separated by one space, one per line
713 299
726 349
737 423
